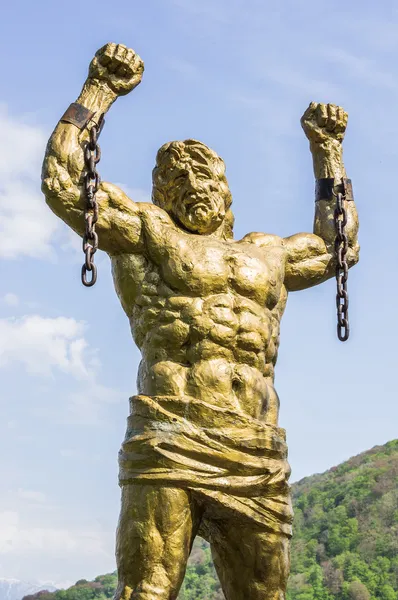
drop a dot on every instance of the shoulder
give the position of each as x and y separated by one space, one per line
297 246
304 245
263 240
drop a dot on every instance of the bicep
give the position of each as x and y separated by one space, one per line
119 222
119 225
309 261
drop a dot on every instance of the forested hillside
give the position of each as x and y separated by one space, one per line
346 530
345 544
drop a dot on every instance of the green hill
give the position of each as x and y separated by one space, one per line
346 530
345 544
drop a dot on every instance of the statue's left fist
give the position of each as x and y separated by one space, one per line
324 122
120 67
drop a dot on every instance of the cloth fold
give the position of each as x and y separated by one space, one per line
237 461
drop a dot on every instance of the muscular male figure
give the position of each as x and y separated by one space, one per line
203 451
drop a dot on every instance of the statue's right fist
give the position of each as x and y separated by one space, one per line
120 67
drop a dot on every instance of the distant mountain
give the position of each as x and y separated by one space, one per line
345 543
13 589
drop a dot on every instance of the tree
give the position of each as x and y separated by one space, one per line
387 593
333 578
358 591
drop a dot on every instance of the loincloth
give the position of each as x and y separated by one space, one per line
238 462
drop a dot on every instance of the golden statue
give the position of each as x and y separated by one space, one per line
203 452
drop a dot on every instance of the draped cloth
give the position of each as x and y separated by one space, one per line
236 461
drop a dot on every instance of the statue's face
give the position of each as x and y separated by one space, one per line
197 197
190 184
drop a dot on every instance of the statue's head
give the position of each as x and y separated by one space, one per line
189 183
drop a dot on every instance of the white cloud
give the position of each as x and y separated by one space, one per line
27 226
53 553
44 344
17 538
31 495
21 149
10 299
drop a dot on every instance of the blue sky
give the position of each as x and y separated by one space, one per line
237 75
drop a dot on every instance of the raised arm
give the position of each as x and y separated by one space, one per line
311 257
114 71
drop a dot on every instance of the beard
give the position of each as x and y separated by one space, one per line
200 212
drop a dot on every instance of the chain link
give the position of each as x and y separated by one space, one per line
92 180
341 247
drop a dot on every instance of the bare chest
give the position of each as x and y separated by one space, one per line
200 266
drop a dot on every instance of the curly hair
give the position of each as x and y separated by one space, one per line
188 151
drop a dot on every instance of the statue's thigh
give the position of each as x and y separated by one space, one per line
250 563
155 532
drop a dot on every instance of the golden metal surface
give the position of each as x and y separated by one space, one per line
203 451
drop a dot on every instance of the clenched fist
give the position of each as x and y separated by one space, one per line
324 122
120 67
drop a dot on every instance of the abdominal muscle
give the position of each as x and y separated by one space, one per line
220 349
217 382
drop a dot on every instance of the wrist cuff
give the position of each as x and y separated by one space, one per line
78 115
328 188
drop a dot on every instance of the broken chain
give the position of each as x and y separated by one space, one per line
92 156
341 248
